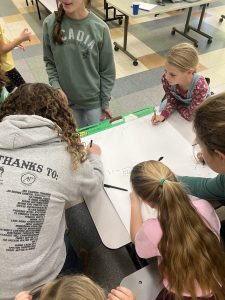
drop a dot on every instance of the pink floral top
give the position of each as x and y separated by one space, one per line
200 92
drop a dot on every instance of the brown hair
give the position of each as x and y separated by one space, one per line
76 287
209 123
57 34
190 250
3 79
183 56
41 99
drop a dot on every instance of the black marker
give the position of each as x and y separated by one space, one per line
115 187
91 142
161 158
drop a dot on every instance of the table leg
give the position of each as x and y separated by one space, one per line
198 29
124 47
186 29
38 9
189 27
115 16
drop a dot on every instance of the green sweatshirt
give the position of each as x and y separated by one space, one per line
83 67
206 188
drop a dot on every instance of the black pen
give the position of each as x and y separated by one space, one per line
161 158
91 142
115 187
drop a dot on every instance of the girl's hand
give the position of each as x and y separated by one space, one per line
106 114
20 46
121 293
94 148
157 119
23 296
25 35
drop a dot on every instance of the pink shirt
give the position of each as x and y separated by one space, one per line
150 233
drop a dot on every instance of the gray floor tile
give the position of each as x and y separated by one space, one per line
8 8
109 267
137 101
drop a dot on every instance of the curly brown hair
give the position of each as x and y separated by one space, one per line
42 100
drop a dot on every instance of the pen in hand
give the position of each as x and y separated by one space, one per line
115 187
154 115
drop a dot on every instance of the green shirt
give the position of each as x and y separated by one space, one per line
206 188
83 66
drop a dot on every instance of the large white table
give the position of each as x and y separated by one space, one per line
106 219
125 8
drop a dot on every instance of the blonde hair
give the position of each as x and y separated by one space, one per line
183 56
190 251
209 123
76 287
42 100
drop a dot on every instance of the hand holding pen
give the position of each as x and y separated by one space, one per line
157 119
93 148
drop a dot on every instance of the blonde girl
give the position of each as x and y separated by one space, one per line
77 287
185 236
184 88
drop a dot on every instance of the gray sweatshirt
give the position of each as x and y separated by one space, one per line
36 183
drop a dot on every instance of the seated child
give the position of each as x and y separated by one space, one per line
76 287
184 88
184 236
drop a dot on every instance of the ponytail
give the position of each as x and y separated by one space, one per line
57 34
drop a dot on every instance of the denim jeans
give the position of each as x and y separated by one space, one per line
72 264
85 117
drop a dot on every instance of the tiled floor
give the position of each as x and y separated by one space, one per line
149 39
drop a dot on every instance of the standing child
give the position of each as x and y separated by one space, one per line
184 88
184 236
6 59
79 60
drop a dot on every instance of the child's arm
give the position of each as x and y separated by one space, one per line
5 47
50 65
198 96
136 216
171 104
106 70
121 293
